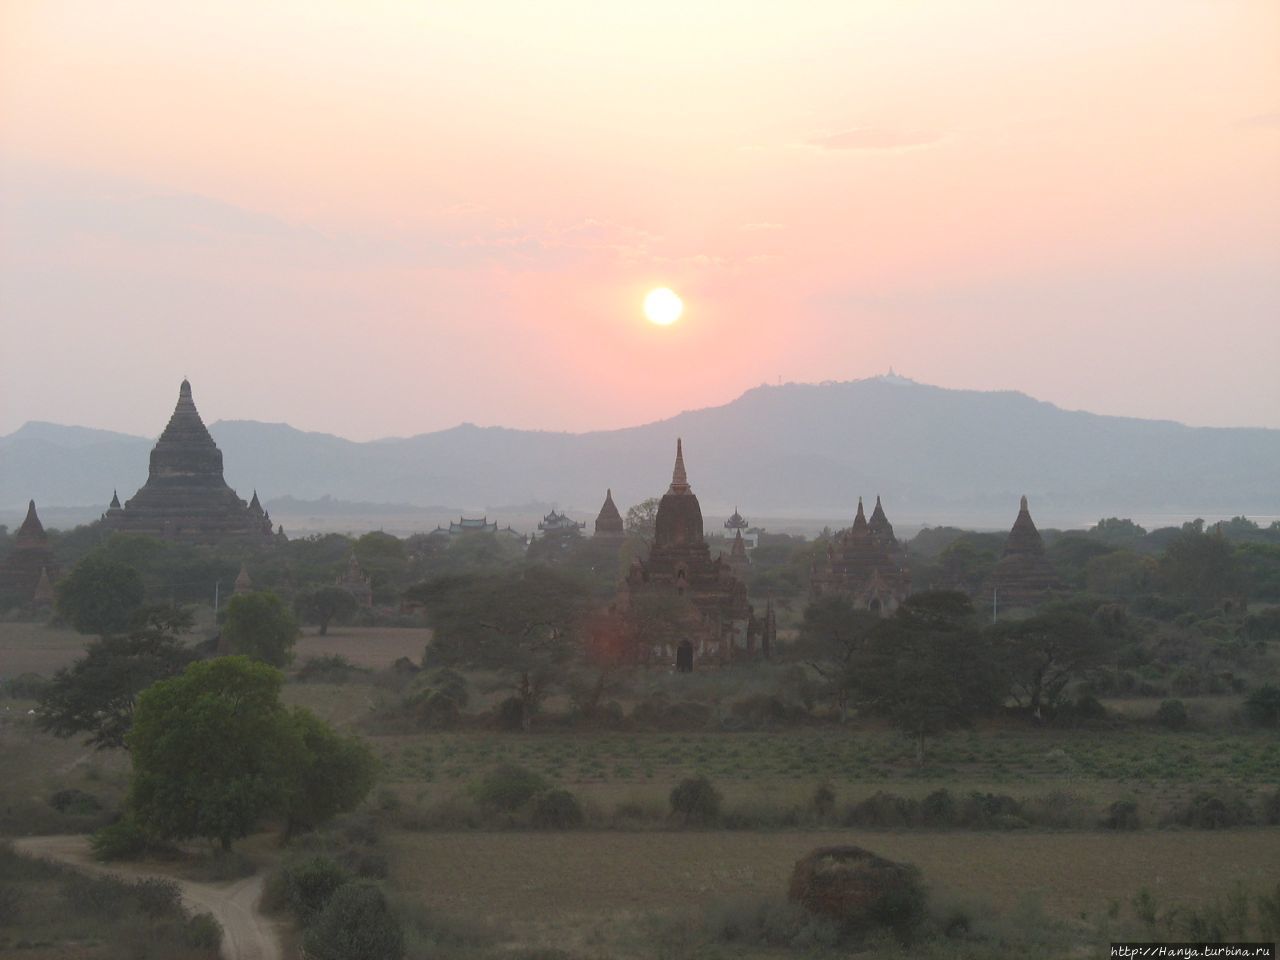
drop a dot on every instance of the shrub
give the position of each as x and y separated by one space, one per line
509 714
310 883
123 840
508 788
332 668
860 891
556 810
823 800
356 924
695 800
882 809
1172 715
938 809
96 896
1262 707
11 898
75 801
1122 815
1271 809
157 897
768 922
988 810
203 932
1208 811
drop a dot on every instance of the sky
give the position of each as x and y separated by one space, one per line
384 218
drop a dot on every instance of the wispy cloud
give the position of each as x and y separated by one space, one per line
874 138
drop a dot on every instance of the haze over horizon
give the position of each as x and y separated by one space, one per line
384 219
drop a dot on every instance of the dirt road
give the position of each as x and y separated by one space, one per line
246 934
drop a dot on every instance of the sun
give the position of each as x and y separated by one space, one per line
663 307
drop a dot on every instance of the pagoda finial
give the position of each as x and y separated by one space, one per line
679 479
1024 502
184 391
115 500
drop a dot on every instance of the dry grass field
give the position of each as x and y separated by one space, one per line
560 887
37 648
375 648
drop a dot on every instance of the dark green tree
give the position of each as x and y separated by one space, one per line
324 605
927 669
642 519
259 625
336 773
1200 568
97 694
833 630
100 596
521 624
356 924
214 751
1044 653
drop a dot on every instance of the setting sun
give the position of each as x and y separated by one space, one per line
663 307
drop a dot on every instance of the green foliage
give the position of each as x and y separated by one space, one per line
123 840
356 924
1262 707
213 751
823 800
928 668
556 810
695 800
1122 815
99 595
204 932
1200 567
1044 653
96 695
1117 532
334 774
310 883
440 704
642 519
324 605
508 788
260 626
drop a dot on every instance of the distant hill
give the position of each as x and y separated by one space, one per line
797 450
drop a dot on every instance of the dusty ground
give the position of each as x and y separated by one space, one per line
246 934
373 647
36 648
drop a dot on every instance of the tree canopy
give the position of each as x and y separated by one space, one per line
259 625
100 595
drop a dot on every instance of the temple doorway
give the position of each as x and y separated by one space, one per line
684 657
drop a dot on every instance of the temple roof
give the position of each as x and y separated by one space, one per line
32 530
1024 538
254 505
736 522
115 500
739 549
679 479
880 526
185 425
243 583
859 520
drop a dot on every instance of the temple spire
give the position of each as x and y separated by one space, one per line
679 479
860 519
115 500
1024 504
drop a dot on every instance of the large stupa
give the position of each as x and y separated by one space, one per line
185 497
1023 576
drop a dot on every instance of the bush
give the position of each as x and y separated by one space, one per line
1271 809
1262 707
508 788
1208 811
938 809
123 840
768 922
1122 815
333 668
203 932
311 883
695 800
509 714
356 924
860 891
75 801
1172 715
556 810
882 809
157 897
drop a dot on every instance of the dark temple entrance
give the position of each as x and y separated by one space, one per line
684 657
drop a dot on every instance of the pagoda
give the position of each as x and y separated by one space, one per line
1023 575
609 520
721 625
185 497
861 564
29 566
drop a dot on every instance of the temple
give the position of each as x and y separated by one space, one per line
864 562
356 582
559 523
1023 576
711 618
609 520
28 570
185 497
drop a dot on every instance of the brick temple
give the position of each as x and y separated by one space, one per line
866 563
1023 575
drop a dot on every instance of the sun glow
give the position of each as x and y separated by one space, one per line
663 307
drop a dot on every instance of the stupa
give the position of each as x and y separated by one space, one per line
1023 575
30 563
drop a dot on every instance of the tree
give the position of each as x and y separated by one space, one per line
326 604
214 750
642 519
356 924
259 625
337 772
1200 567
831 633
1044 653
383 558
519 623
99 595
927 669
97 694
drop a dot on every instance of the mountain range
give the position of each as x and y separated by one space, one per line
796 450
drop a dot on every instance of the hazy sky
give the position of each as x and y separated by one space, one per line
382 218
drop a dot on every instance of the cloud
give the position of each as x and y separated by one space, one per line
1269 120
874 138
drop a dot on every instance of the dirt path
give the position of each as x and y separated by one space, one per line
246 934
